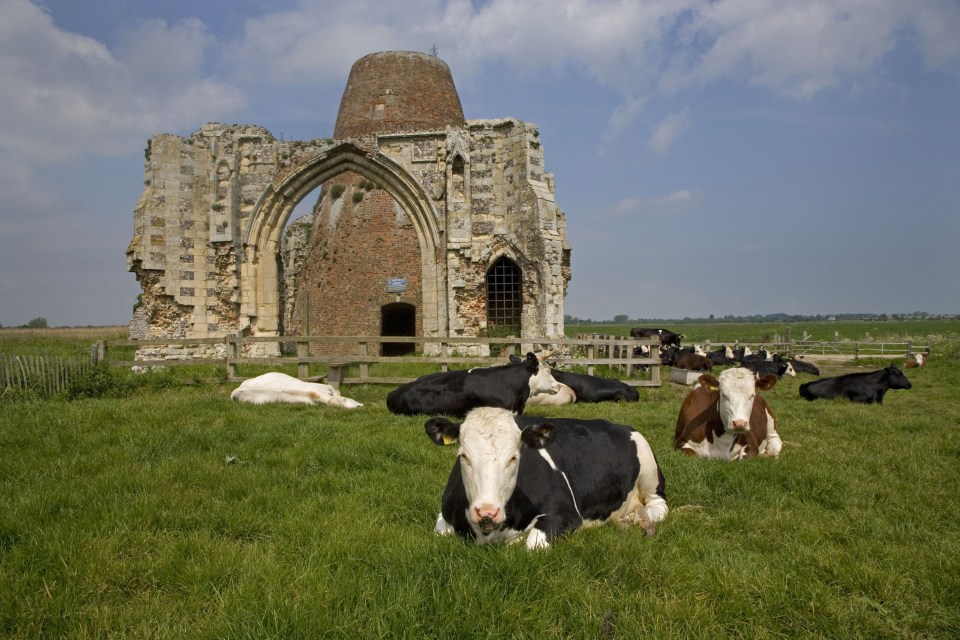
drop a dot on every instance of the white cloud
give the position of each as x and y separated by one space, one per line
671 204
669 129
65 95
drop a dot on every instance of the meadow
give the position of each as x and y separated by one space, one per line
167 511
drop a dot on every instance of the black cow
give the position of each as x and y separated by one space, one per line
456 392
540 478
857 387
595 389
666 336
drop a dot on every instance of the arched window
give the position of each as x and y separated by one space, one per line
504 299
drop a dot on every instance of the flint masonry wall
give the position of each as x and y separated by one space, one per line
435 206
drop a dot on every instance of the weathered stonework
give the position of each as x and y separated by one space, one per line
435 207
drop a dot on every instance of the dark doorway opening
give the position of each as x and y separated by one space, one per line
398 319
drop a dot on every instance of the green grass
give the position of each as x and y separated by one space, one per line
173 512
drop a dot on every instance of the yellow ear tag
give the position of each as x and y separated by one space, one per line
447 440
713 388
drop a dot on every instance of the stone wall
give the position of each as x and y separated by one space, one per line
435 207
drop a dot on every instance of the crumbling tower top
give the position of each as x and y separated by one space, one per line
397 91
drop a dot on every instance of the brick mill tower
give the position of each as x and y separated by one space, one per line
426 224
361 241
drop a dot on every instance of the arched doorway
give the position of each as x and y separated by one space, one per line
504 297
398 319
261 238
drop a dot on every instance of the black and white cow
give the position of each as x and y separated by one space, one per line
722 356
778 369
666 336
587 388
519 476
454 393
864 388
799 366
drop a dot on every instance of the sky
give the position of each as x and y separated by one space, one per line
725 157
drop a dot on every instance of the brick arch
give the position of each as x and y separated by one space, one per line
261 238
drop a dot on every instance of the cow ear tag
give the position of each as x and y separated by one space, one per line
713 387
447 440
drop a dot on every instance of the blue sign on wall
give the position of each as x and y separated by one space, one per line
396 285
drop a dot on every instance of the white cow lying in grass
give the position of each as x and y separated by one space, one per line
279 387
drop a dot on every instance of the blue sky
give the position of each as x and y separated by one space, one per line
727 157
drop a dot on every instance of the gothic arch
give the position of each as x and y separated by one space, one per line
261 239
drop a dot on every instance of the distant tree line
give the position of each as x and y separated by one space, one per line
36 323
769 317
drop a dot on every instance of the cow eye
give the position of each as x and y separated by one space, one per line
464 459
512 461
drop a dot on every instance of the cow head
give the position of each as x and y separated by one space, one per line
896 378
541 380
737 388
489 456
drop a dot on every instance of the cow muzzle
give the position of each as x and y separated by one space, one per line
739 426
488 518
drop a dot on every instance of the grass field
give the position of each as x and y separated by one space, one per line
168 512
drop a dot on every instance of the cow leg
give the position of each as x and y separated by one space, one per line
537 539
773 444
442 528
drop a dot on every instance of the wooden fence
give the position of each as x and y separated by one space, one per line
47 374
364 353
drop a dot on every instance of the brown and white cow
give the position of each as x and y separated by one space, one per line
915 360
725 417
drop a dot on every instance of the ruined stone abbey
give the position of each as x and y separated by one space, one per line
426 224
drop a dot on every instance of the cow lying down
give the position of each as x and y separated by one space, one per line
518 476
725 418
279 387
865 388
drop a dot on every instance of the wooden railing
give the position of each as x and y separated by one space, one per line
586 352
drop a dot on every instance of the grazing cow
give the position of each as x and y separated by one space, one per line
693 362
666 337
865 388
456 392
542 477
778 369
722 356
279 387
916 360
565 395
725 417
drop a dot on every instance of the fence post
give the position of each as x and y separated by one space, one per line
909 348
445 353
364 367
303 351
789 341
232 352
590 352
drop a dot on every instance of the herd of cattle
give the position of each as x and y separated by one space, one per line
537 478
